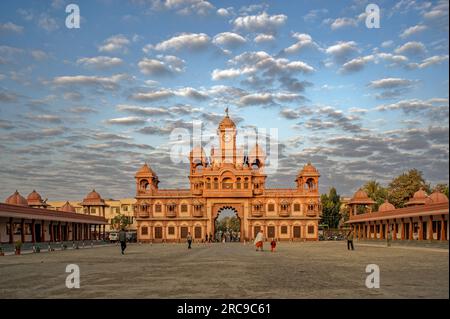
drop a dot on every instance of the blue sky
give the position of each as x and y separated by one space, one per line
84 108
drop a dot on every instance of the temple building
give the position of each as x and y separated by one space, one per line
227 180
30 220
423 218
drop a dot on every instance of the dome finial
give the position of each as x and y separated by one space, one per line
226 110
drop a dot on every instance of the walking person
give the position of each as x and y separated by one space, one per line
189 240
259 240
273 245
350 240
210 237
123 240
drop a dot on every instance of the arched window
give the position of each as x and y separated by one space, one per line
208 183
310 185
144 185
246 183
227 183
238 183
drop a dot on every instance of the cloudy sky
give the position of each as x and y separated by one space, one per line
85 108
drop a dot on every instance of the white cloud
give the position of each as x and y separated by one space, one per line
411 48
44 118
342 50
413 30
114 43
252 62
260 38
130 120
108 83
260 23
100 62
224 12
304 41
413 105
436 59
190 41
26 14
356 64
387 44
47 23
389 83
140 110
10 27
395 59
183 7
312 15
39 55
165 65
256 99
153 95
228 39
228 73
439 11
343 22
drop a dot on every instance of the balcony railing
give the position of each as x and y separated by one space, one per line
311 213
171 213
257 191
284 213
197 191
143 213
257 213
198 213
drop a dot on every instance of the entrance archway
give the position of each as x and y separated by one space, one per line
228 225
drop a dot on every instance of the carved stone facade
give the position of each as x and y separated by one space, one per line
228 179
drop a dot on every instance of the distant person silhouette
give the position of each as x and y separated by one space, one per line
123 240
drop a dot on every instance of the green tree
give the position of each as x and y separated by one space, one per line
228 223
376 192
443 188
120 221
331 206
403 187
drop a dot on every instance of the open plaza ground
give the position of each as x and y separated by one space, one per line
230 270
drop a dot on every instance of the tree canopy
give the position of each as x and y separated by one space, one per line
228 223
120 221
376 192
403 187
331 208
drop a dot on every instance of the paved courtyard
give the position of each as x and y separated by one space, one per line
232 270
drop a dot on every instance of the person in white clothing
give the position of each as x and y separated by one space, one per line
259 240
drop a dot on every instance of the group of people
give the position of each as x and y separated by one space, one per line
258 242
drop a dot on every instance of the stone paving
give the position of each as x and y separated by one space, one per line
230 270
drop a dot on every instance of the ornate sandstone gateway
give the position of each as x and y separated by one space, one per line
229 180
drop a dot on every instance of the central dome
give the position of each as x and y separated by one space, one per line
226 122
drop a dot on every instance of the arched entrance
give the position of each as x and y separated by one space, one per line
228 225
